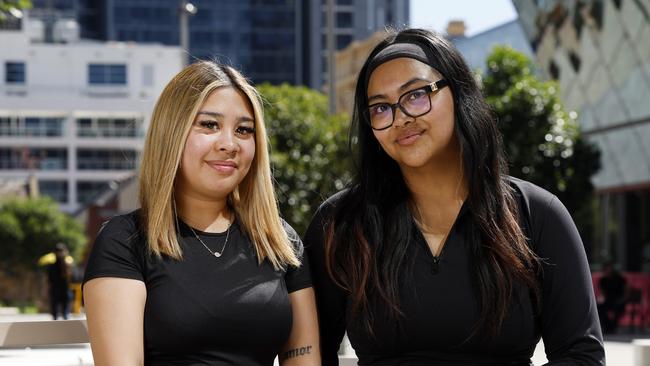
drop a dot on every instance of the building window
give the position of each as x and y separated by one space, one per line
554 70
344 20
342 41
15 72
110 127
578 22
11 23
107 74
89 159
338 2
57 189
87 191
33 158
575 61
31 126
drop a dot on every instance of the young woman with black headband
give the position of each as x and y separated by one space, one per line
434 255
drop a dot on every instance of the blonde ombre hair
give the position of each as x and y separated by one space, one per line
253 200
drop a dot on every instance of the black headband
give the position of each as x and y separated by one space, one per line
396 50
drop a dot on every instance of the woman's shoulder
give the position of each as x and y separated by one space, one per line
337 199
293 236
128 223
316 229
122 230
532 196
540 210
118 250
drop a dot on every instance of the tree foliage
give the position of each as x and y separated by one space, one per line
30 228
542 140
308 150
13 8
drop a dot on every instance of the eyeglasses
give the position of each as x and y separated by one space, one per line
413 103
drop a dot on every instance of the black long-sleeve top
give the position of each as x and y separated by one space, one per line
441 307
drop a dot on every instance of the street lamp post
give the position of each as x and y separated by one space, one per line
331 88
186 9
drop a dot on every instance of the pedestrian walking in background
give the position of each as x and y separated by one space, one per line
613 288
59 274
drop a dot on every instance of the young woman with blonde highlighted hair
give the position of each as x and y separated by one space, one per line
206 272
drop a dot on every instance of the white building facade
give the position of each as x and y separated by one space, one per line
74 113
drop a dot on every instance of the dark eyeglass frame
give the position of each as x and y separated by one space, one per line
430 88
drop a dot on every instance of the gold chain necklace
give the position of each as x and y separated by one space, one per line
217 254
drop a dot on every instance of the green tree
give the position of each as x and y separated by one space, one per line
542 140
29 228
13 8
309 153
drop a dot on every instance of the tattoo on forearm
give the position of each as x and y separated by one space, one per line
295 352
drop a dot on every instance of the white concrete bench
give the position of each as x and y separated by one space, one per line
641 352
26 334
42 333
348 360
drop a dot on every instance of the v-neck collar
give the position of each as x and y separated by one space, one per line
448 239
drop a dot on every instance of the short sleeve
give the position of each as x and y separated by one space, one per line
297 278
330 299
118 251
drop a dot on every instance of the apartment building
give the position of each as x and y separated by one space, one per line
73 113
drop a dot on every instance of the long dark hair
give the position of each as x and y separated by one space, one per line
372 225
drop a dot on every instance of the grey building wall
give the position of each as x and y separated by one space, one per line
354 20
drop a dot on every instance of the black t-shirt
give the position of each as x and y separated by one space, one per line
203 310
441 307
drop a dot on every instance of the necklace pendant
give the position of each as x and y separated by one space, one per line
217 254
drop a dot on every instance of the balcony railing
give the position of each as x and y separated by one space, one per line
104 164
42 164
92 91
31 131
109 132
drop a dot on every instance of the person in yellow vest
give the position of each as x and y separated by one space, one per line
59 273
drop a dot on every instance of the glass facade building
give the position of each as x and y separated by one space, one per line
354 20
269 40
599 51
260 37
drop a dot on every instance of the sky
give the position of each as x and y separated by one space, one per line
479 15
